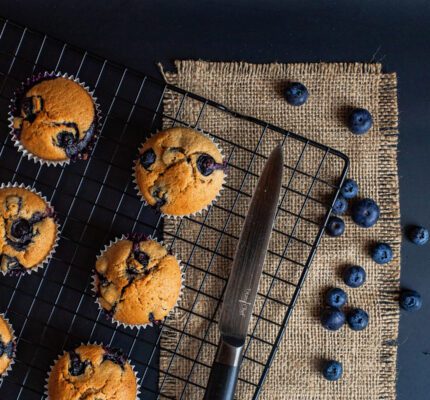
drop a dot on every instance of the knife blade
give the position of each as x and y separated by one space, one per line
242 286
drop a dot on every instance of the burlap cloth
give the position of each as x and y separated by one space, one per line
368 357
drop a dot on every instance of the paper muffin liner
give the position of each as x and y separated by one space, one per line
46 396
13 108
48 257
112 318
12 362
196 213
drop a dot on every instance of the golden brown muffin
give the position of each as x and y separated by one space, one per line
55 119
137 281
28 231
92 372
7 345
179 171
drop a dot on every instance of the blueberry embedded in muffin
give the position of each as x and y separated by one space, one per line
7 346
179 171
137 282
54 119
90 371
28 230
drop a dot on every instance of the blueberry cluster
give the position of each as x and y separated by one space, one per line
364 212
333 317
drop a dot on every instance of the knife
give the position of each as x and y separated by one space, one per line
242 285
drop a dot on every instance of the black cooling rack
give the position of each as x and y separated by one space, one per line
53 309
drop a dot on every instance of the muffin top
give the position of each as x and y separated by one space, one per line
137 281
179 171
55 119
27 229
92 372
7 345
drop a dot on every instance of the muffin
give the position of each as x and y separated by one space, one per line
92 372
54 119
137 282
28 230
179 171
7 346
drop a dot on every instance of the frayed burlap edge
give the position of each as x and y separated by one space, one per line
389 277
388 187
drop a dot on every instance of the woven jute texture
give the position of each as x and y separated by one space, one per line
368 357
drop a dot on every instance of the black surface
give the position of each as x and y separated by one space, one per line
397 33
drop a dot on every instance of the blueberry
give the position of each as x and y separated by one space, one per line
332 318
336 298
103 281
206 164
77 367
141 257
354 276
418 235
7 349
131 272
159 197
365 213
147 158
332 370
335 226
382 253
37 217
30 107
296 93
340 205
349 189
410 300
65 139
152 319
360 121
114 355
357 319
11 265
20 228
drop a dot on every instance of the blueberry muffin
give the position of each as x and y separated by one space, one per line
7 346
54 119
179 171
92 372
28 230
137 281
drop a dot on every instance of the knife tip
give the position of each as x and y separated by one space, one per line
278 152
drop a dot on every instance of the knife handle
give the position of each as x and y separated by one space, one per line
225 370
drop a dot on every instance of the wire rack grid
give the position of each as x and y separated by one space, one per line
54 309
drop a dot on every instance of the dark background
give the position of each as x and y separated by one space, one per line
397 33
